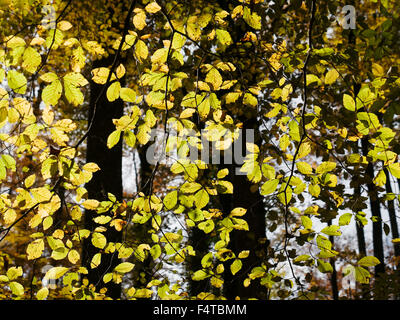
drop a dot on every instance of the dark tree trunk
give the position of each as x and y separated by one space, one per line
143 272
243 196
376 213
107 180
333 279
392 215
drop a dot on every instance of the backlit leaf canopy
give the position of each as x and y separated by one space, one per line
257 143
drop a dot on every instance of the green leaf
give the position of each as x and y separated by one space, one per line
362 275
285 197
8 161
284 142
294 130
190 187
17 81
368 261
324 267
207 260
59 253
222 173
345 219
76 79
269 186
124 267
312 78
332 230
160 56
155 251
306 222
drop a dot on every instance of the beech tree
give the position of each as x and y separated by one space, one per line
268 140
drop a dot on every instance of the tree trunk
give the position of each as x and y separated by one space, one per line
107 180
245 240
143 271
376 213
392 215
333 279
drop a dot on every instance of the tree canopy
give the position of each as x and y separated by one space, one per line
264 137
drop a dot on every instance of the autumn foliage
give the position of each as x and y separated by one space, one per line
311 211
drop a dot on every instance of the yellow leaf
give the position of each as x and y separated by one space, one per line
55 273
124 267
152 7
64 25
304 167
99 240
91 167
127 94
90 204
100 75
394 169
349 103
9 216
139 20
73 256
41 194
16 288
214 78
35 249
48 115
141 50
238 212
42 293
96 260
331 76
113 91
377 70
160 56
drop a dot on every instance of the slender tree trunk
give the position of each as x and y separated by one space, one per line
243 196
376 213
143 272
392 215
372 191
107 180
333 279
